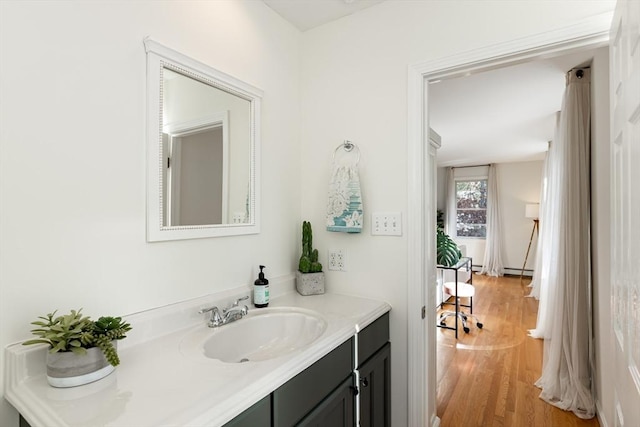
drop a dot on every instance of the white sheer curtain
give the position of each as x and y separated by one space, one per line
564 320
540 270
451 219
492 263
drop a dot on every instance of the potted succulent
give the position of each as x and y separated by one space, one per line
80 350
309 277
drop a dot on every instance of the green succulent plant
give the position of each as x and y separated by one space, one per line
309 259
76 333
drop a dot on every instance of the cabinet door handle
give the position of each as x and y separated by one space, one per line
364 381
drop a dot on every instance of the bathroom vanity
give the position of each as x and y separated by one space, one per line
168 378
325 393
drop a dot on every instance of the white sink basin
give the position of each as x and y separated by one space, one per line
264 333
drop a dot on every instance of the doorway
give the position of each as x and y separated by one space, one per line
421 309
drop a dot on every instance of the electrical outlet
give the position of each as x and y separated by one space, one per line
337 260
386 224
238 217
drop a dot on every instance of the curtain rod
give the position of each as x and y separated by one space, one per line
474 166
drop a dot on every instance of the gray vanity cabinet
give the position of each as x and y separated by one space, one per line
337 410
375 395
315 386
374 366
323 395
259 415
320 396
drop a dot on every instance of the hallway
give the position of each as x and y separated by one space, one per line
487 377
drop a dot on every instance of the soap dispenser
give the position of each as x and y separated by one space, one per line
261 290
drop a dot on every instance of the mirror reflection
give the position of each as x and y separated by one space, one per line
206 149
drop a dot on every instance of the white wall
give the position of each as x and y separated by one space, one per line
519 184
72 169
354 85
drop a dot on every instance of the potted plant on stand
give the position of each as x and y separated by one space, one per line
447 251
80 350
309 277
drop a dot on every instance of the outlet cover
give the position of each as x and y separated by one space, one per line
337 260
386 224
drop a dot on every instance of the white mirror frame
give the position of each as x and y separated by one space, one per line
158 58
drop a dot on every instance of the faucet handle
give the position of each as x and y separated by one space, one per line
206 310
236 302
215 319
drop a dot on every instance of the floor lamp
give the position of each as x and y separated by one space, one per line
532 211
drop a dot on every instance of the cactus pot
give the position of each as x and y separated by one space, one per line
310 283
67 369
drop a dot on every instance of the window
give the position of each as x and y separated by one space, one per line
471 208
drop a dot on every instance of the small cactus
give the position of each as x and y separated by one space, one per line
309 259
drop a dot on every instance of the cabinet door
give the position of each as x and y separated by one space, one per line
372 338
336 410
375 382
259 415
300 395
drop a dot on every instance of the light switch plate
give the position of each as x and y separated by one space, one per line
386 224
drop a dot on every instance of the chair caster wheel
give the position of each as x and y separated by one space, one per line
480 325
466 330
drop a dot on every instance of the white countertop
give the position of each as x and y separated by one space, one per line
157 385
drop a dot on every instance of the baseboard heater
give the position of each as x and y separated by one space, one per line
517 271
508 271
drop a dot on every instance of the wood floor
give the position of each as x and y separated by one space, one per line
487 377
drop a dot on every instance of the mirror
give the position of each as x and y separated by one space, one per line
202 146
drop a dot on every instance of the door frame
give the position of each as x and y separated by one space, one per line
421 354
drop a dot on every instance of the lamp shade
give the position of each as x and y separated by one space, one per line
532 210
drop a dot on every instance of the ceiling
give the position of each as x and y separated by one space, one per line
503 115
308 14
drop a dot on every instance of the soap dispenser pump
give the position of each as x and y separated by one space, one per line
261 290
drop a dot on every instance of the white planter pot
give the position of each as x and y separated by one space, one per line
310 283
67 369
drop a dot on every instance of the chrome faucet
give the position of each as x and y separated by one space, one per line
229 314
216 319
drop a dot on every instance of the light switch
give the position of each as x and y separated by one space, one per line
386 224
